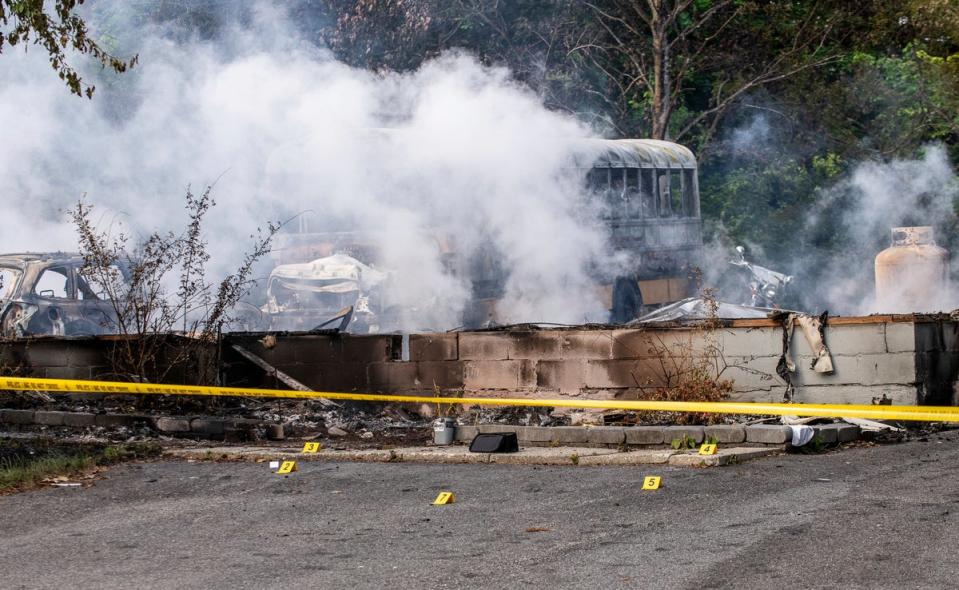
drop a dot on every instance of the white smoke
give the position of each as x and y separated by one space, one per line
282 127
863 208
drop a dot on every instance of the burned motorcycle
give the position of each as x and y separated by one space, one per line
766 287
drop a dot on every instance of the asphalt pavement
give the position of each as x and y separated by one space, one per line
872 517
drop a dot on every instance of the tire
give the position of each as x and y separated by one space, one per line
627 300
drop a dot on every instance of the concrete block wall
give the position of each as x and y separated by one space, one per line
88 358
903 359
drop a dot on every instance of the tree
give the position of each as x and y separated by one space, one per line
661 54
59 30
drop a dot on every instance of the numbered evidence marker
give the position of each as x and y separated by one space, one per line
311 447
709 449
652 482
444 498
287 467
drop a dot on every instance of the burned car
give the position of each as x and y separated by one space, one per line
47 294
310 295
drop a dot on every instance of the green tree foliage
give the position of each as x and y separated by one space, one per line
59 30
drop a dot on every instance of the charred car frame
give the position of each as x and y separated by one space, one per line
47 294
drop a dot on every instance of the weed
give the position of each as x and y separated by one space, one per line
133 277
687 442
813 447
26 464
29 472
574 459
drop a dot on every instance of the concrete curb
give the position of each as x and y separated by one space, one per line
196 427
594 437
571 456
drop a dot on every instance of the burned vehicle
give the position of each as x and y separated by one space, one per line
763 287
311 295
645 193
47 294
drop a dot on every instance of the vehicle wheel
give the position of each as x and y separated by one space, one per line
627 300
8 323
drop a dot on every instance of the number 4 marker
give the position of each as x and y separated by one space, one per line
709 449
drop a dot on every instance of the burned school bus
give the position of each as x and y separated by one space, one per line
650 190
648 193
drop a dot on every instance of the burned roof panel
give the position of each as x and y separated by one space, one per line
632 153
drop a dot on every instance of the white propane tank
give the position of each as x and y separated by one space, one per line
912 274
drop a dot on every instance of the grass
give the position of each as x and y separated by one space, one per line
26 464
24 474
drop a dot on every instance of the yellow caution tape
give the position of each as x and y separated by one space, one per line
870 412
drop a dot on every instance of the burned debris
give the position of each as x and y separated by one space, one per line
304 296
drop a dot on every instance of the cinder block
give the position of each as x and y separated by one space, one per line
17 416
568 434
847 432
332 376
887 368
726 433
848 339
843 432
645 435
671 433
478 375
48 353
242 423
749 342
826 435
434 347
587 344
769 434
494 428
362 348
619 373
442 374
539 434
393 376
606 435
484 346
206 426
466 433
113 420
567 376
633 344
172 424
49 418
536 345
902 336
79 419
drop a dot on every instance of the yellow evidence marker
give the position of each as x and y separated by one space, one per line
287 467
652 482
709 449
311 447
444 498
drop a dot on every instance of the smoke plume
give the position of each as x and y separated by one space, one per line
282 128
